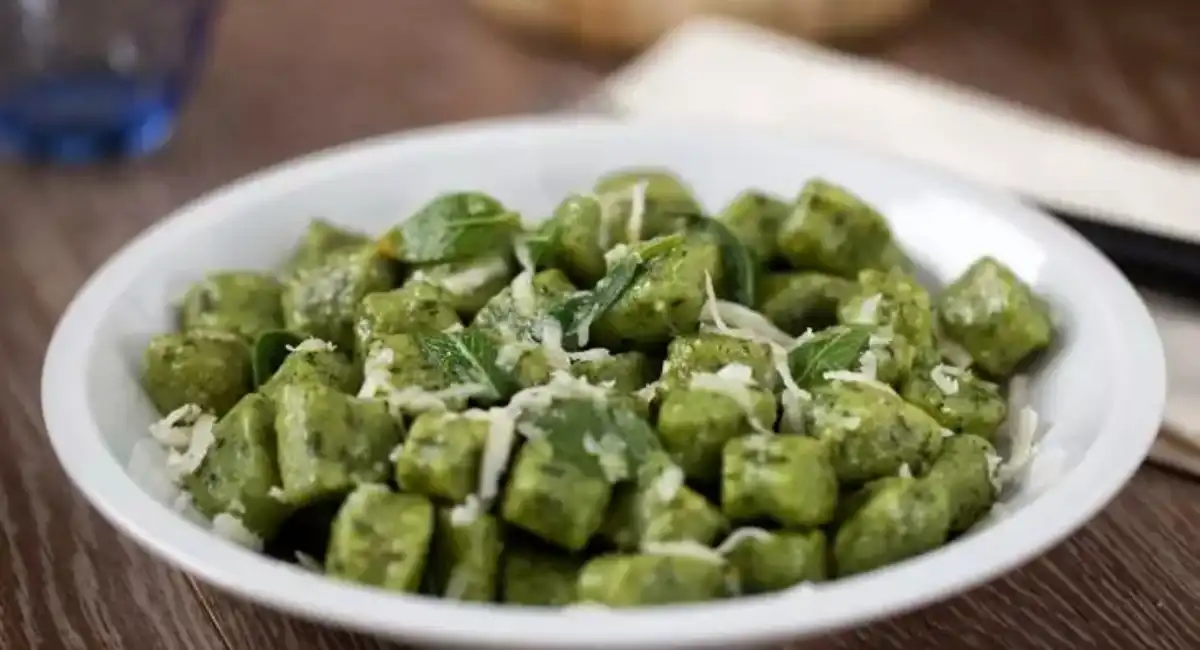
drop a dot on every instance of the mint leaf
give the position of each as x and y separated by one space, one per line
836 348
739 266
269 351
468 357
578 311
604 439
451 227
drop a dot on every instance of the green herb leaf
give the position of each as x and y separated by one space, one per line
836 348
739 265
578 311
603 439
269 351
468 357
455 226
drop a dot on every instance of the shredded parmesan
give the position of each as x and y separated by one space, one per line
868 311
668 483
684 548
496 450
741 535
868 364
181 464
552 344
475 277
613 256
1021 427
905 471
733 381
313 345
857 377
610 453
509 354
182 502
377 371
589 356
637 211
523 295
793 398
955 353
277 493
945 378
232 529
739 321
175 430
465 513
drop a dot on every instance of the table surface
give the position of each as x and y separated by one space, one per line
292 76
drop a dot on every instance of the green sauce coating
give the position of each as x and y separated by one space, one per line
754 217
665 301
415 307
464 558
645 579
661 509
872 432
666 201
326 367
628 371
330 442
832 230
246 303
695 425
966 467
208 368
555 500
574 240
900 517
958 399
381 538
239 470
468 284
320 240
440 457
321 301
538 577
896 303
787 478
708 352
799 301
995 316
773 561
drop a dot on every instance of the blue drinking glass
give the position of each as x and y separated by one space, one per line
84 80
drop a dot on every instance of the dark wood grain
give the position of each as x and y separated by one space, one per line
291 76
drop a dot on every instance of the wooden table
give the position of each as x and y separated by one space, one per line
291 76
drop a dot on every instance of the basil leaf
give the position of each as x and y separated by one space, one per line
739 265
836 348
579 310
452 227
603 439
468 357
270 350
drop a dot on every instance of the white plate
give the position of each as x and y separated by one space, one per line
1101 392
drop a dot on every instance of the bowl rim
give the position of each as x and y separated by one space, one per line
1129 424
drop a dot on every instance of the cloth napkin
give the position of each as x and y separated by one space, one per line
714 69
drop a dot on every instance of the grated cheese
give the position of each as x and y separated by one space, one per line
857 377
868 311
277 493
740 535
868 364
509 354
792 398
1021 427
610 452
637 211
181 464
945 378
591 356
955 353
377 370
552 344
524 299
733 381
473 278
905 471
175 430
613 256
467 512
668 483
182 502
746 323
496 451
232 529
313 345
684 548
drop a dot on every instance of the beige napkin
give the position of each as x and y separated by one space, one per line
712 69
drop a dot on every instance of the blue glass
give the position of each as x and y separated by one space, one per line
83 80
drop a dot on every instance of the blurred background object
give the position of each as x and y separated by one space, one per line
88 79
624 26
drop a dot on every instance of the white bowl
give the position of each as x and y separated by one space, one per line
1101 392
